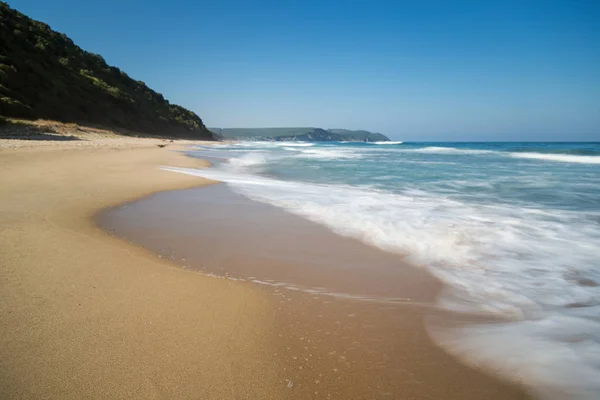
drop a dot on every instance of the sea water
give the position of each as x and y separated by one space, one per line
513 229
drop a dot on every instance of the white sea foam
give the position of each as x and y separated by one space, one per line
266 144
570 158
247 161
390 142
253 144
523 265
328 153
450 150
557 354
294 144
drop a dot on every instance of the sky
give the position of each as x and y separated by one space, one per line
446 70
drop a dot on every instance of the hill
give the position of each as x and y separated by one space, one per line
303 134
43 74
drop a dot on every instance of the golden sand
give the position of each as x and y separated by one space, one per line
85 315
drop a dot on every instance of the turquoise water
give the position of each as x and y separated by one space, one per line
513 229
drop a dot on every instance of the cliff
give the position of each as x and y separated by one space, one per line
43 74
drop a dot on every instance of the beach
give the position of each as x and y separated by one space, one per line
88 315
348 318
85 315
377 201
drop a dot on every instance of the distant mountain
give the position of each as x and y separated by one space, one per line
301 134
43 74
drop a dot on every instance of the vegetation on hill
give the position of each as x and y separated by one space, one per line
303 134
360 135
43 74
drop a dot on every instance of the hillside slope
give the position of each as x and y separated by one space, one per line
43 74
303 134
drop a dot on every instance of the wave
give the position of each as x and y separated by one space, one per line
576 149
294 144
558 157
534 269
379 142
451 150
247 162
268 144
544 156
328 154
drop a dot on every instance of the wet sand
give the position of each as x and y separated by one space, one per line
366 342
215 230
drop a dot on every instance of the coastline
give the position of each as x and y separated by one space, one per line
85 315
352 343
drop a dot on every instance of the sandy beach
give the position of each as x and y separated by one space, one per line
85 314
348 318
324 200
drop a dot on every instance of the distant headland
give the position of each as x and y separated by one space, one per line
300 134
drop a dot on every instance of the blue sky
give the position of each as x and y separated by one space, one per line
414 70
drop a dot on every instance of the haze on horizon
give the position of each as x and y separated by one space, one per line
428 70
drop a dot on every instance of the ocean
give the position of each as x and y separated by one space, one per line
512 229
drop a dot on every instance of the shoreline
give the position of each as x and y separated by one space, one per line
85 315
89 315
213 230
357 349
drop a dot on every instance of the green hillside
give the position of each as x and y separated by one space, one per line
303 134
43 74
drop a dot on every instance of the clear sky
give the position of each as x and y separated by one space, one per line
414 70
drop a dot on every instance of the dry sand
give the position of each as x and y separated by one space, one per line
84 315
